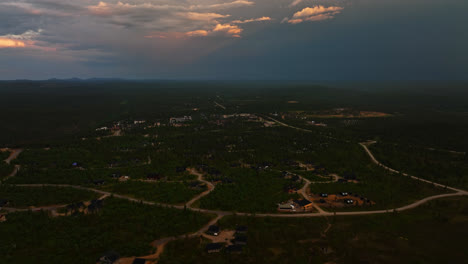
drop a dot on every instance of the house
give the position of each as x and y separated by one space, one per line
109 258
124 178
241 229
234 248
176 120
75 206
95 206
350 176
3 202
213 230
214 247
286 206
2 218
139 261
115 175
304 204
153 176
99 182
240 240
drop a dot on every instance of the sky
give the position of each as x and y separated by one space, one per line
234 39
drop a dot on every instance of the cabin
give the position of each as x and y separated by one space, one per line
350 176
286 206
75 206
241 229
240 240
214 247
139 261
213 230
234 248
153 176
4 202
108 258
304 204
95 206
115 175
178 120
99 182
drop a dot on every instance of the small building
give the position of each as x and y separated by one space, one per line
99 182
75 206
95 206
176 120
108 258
213 230
153 176
240 240
234 248
139 261
286 206
124 178
2 218
115 175
304 204
241 229
4 202
214 247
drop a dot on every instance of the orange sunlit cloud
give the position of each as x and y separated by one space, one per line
11 43
316 13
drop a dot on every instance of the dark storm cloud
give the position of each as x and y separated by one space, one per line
318 39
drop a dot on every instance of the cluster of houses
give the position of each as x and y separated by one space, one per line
237 244
123 124
179 121
119 177
294 183
345 197
80 207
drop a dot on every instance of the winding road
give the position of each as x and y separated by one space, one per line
219 214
